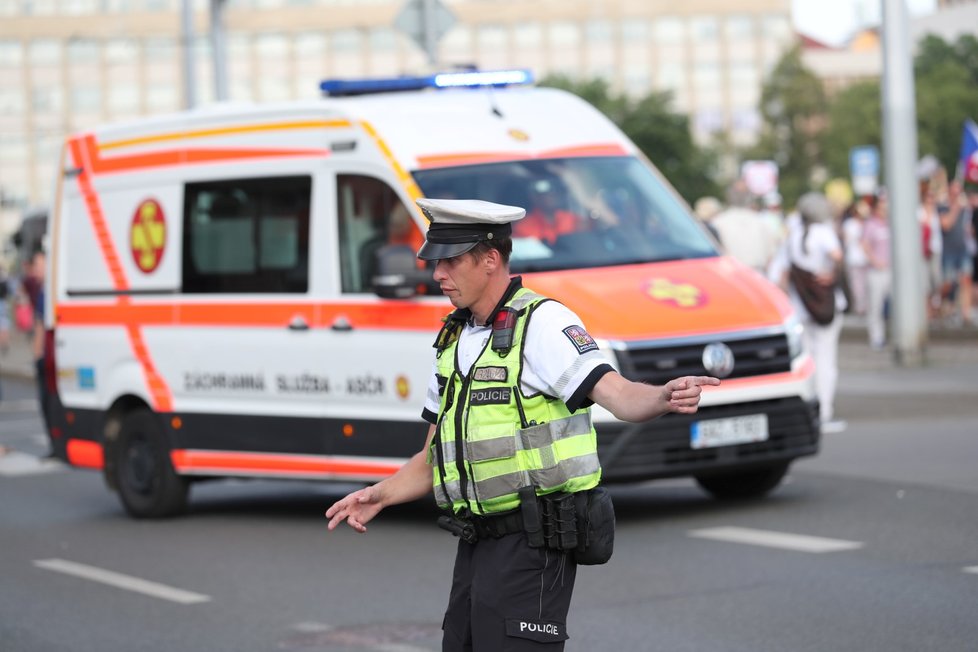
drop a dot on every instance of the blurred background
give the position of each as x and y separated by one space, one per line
701 86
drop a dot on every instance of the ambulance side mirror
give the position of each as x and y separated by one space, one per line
397 274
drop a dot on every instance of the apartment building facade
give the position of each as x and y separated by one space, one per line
69 64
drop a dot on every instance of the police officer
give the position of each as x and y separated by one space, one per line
511 436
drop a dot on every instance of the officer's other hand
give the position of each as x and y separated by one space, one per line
357 509
683 394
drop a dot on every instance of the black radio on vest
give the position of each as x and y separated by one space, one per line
502 331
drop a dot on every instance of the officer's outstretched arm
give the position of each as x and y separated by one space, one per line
412 481
631 401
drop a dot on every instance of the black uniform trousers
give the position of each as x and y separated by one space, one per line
508 597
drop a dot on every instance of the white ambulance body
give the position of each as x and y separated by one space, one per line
214 315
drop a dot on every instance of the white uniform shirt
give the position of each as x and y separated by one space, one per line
561 359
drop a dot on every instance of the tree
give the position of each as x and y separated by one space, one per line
947 94
661 133
793 106
946 82
854 119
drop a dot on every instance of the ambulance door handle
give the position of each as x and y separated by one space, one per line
341 323
298 323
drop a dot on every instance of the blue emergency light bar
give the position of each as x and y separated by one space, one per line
461 79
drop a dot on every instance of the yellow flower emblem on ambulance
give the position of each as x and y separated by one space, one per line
147 235
684 295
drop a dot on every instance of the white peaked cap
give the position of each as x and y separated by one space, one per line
458 225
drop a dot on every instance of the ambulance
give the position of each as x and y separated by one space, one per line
233 290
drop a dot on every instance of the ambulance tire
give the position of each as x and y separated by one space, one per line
738 485
147 484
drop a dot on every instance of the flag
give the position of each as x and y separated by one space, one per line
969 152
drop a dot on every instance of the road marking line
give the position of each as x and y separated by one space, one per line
14 463
22 405
34 421
971 569
118 580
770 539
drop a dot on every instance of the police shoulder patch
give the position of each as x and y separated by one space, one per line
490 374
580 338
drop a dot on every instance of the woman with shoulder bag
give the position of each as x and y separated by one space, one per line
812 257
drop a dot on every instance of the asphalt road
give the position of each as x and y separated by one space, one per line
871 546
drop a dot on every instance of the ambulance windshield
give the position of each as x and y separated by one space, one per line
580 212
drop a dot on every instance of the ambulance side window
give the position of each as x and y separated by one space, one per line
247 235
371 216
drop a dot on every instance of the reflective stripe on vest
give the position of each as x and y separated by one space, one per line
556 451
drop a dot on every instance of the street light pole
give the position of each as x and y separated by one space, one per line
187 54
907 318
218 47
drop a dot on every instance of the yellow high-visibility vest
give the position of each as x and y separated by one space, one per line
491 440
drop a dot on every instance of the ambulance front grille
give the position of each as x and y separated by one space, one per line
658 363
661 448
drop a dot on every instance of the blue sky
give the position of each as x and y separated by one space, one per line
834 21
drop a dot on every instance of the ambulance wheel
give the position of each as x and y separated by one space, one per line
148 486
744 484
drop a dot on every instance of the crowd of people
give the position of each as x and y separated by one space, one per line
754 230
21 307
846 246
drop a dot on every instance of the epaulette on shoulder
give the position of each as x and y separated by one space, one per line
452 326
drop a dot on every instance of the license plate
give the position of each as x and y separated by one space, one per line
724 432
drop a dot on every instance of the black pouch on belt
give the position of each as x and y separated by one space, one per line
595 527
532 520
560 521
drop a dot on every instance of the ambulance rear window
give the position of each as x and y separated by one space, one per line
247 235
581 212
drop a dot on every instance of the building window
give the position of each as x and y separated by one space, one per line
44 52
739 29
79 7
247 235
86 99
347 58
529 47
10 7
564 34
704 29
274 67
310 63
777 28
669 31
635 31
383 51
371 216
82 51
11 54
40 7
456 46
493 46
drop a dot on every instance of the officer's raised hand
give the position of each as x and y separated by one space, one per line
631 401
683 394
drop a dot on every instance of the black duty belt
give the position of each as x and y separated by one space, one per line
498 525
473 528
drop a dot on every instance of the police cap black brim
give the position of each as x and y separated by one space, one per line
439 250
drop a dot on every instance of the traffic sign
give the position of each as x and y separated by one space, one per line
412 21
864 167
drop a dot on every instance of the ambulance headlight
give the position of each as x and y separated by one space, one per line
794 330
